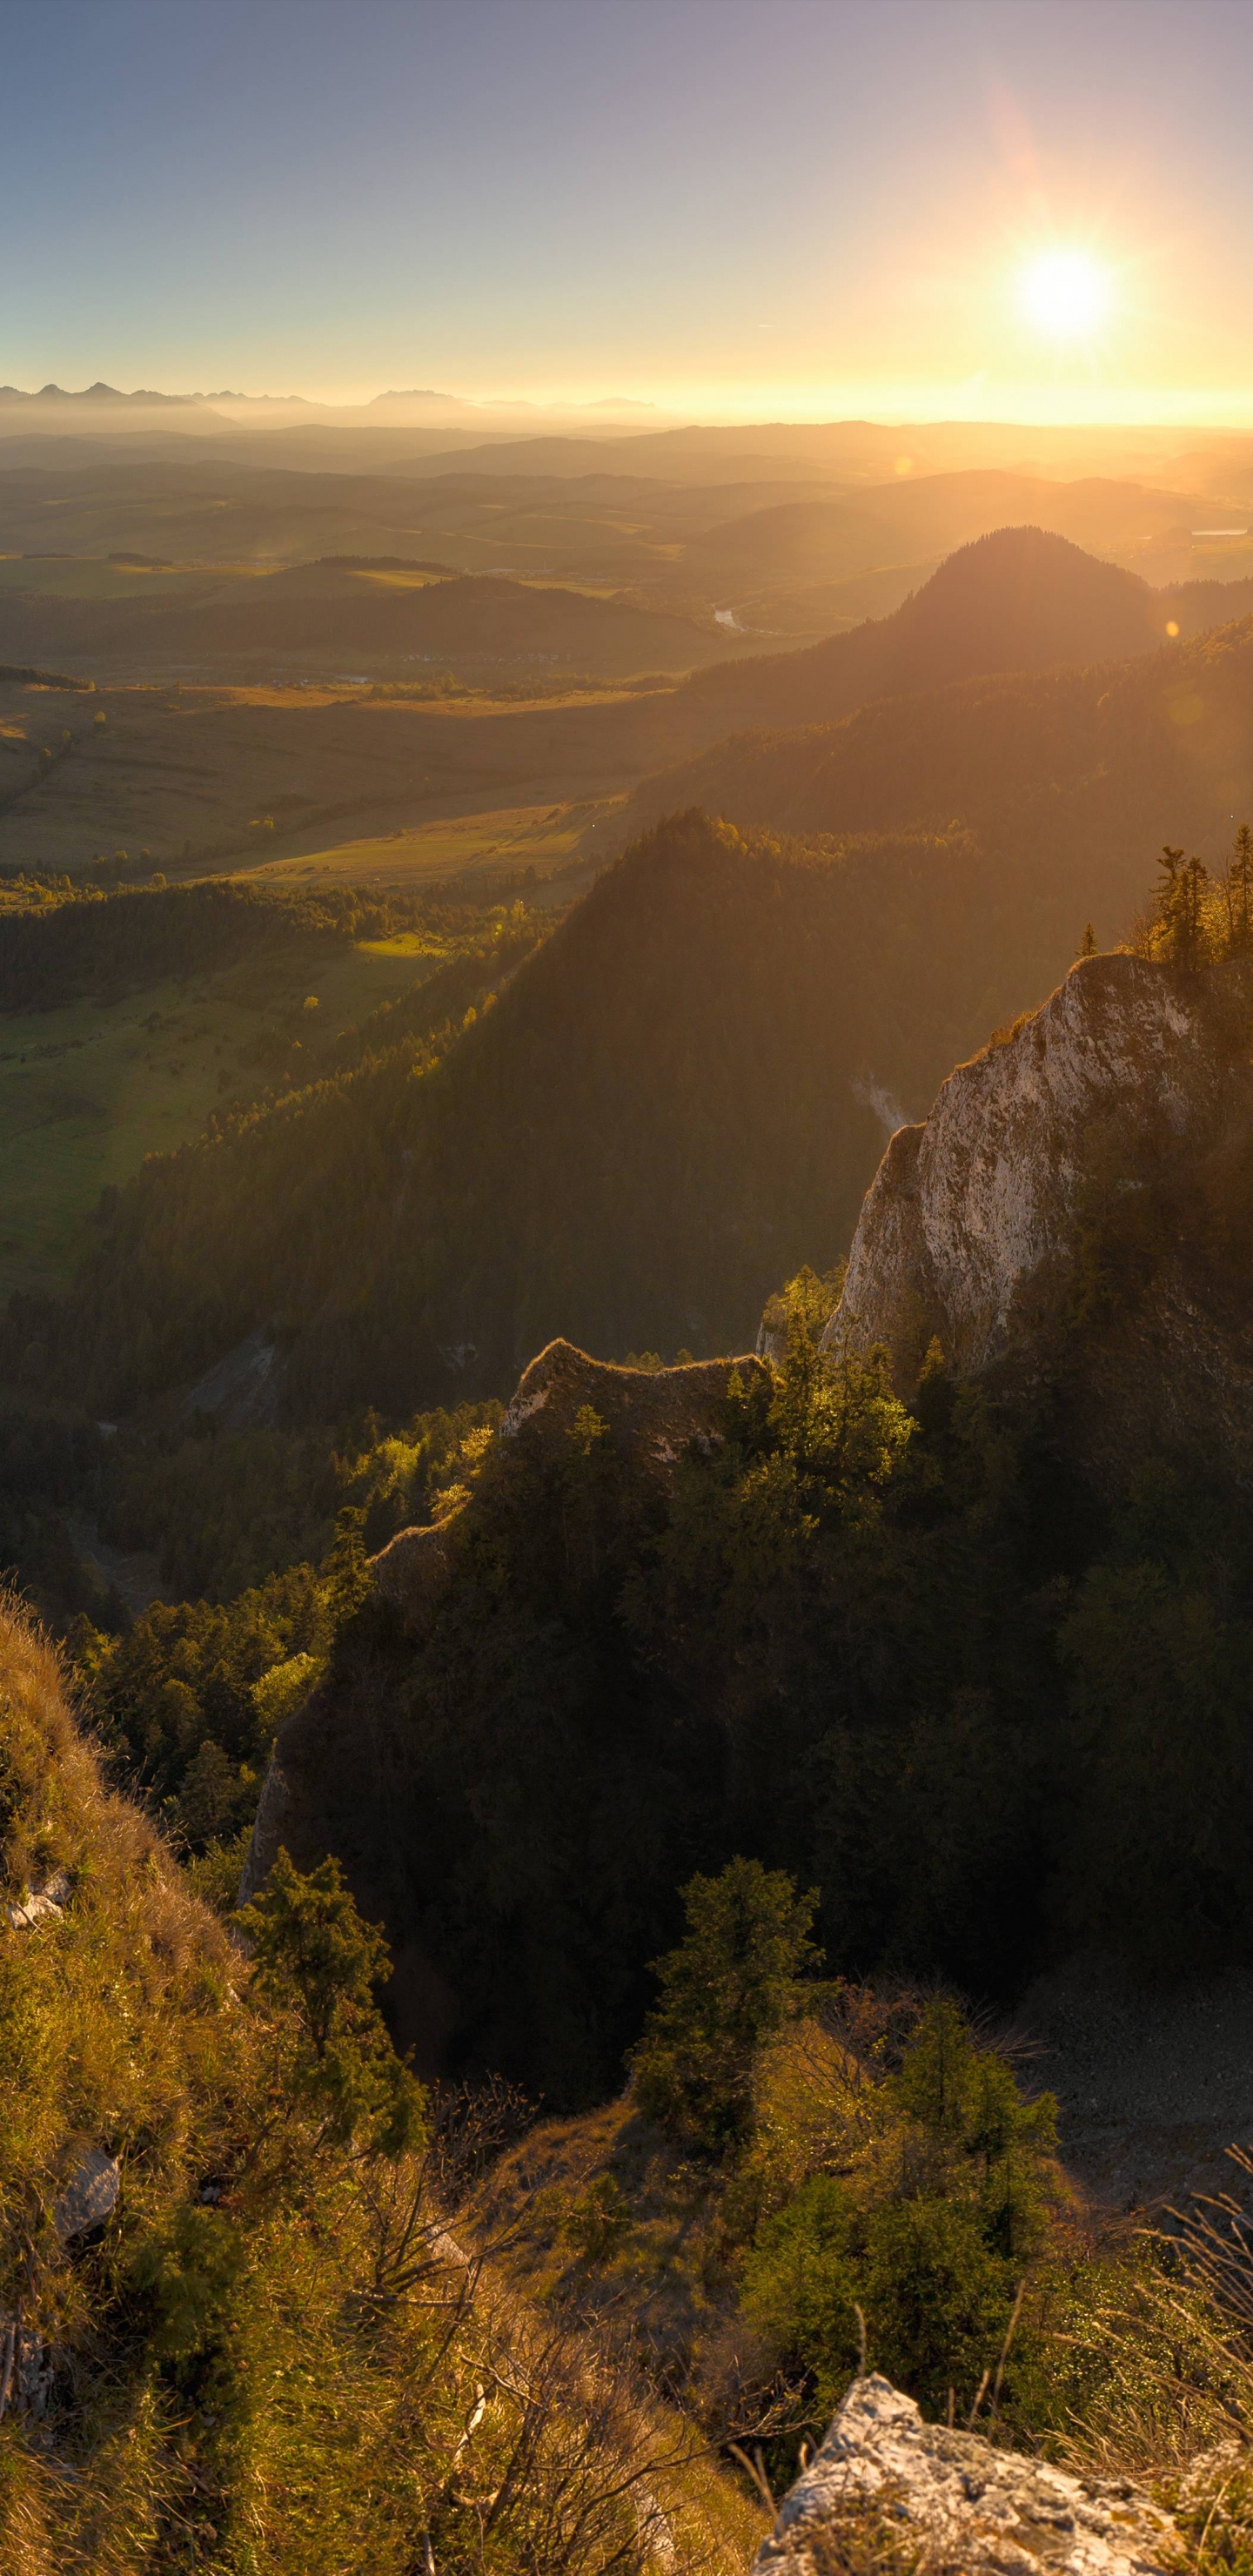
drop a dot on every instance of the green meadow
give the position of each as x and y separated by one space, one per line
87 1091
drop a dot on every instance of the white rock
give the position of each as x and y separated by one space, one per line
90 2197
983 2511
48 1899
25 2369
968 1211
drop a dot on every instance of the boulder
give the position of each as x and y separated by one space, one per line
954 2505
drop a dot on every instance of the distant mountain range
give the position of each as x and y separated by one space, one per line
411 404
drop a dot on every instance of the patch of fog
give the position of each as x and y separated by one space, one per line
727 617
887 1110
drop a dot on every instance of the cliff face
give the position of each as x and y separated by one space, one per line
1072 1202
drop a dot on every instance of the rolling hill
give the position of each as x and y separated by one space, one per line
384 618
930 514
679 525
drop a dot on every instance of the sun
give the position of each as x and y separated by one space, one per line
1065 292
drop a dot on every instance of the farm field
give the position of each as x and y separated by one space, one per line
544 837
97 577
184 779
87 1091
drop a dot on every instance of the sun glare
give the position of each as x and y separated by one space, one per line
1065 292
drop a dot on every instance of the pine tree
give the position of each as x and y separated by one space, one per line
1179 905
1238 892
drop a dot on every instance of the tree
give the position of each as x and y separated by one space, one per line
316 1965
1238 892
922 2241
744 1967
1179 907
1087 945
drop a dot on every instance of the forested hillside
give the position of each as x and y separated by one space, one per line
1018 600
906 1651
1076 771
682 1095
324 614
104 944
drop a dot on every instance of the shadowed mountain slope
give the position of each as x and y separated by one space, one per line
1082 771
681 1096
978 1670
1018 600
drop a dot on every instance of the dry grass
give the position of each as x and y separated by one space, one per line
373 2395
869 2539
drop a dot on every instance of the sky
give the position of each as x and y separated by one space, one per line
728 208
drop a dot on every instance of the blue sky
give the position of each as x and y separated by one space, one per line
732 205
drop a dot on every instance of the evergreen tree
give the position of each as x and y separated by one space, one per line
743 1968
1179 907
1238 892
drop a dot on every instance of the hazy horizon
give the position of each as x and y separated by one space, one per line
1012 210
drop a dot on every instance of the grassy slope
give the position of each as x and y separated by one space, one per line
511 837
87 1091
225 2378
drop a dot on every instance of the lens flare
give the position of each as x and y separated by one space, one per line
1066 293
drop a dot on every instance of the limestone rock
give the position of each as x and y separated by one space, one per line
39 1902
241 1392
963 2507
651 1417
89 2197
651 1414
412 1571
968 1232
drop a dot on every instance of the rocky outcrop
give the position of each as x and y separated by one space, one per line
970 1232
39 1904
955 2504
340 1776
650 1417
412 1572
